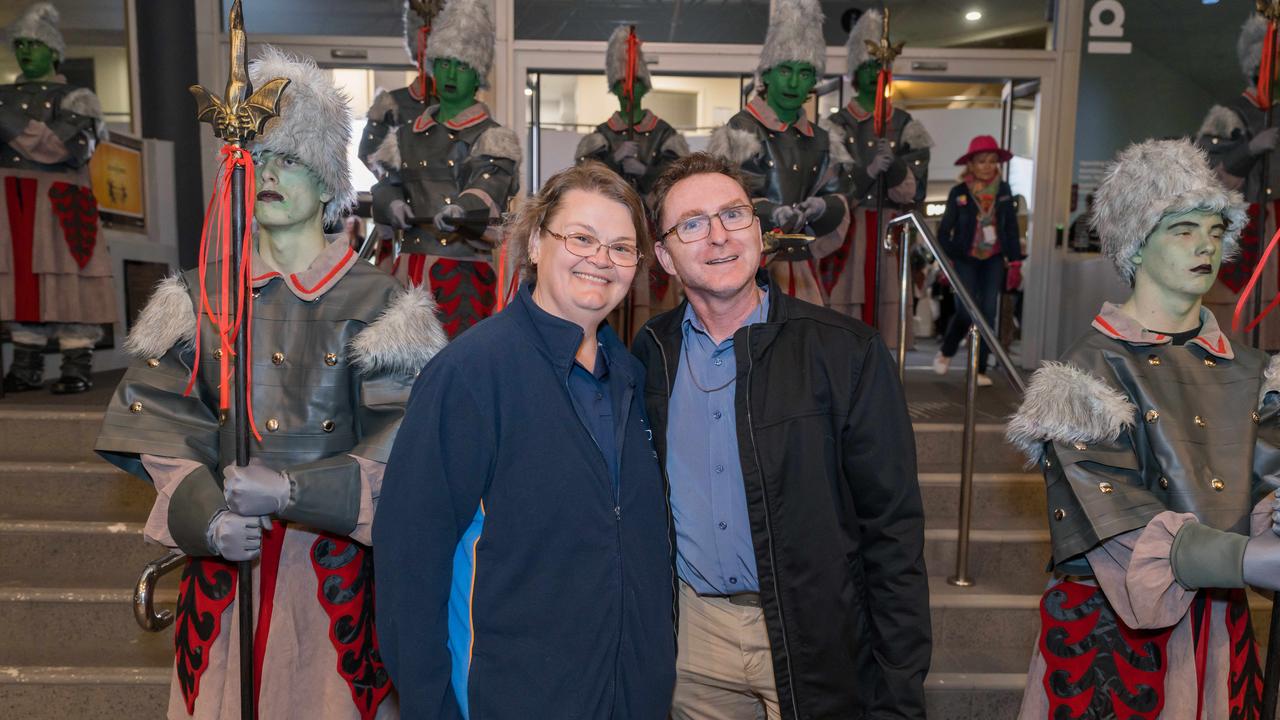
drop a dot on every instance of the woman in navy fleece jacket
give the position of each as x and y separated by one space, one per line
523 549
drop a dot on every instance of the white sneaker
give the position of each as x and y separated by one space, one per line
941 364
984 380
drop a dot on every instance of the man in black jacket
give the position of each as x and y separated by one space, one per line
790 459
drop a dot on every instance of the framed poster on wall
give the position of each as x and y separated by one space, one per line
118 184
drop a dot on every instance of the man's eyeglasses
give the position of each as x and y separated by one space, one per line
698 227
622 254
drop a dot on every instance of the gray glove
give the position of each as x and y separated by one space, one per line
786 218
255 490
235 537
632 166
447 220
882 160
1264 141
628 149
401 214
812 208
1262 561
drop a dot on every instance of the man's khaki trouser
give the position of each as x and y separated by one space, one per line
724 668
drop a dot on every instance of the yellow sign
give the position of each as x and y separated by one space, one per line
116 173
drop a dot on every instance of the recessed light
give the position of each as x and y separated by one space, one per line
528 91
973 16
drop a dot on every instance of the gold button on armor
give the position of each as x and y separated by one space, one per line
1256 417
1217 484
1200 421
1164 483
1210 362
1152 416
795 167
450 163
222 417
327 425
273 425
1106 488
331 359
277 358
217 354
1079 445
1153 360
136 407
24 106
1059 514
153 362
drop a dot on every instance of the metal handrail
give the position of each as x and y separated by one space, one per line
988 335
978 332
144 593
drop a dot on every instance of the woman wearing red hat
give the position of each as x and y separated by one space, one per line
979 232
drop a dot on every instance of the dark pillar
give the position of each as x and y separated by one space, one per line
166 68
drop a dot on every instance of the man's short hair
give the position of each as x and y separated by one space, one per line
699 163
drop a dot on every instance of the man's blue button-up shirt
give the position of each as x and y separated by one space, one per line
714 552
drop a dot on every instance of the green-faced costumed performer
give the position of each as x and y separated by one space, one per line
55 274
335 345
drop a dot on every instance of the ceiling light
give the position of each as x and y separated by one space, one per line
973 16
528 91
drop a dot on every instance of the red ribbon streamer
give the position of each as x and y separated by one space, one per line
883 105
629 81
226 320
426 84
1253 281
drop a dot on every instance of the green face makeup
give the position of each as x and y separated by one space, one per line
456 81
288 192
35 59
787 87
1182 255
865 78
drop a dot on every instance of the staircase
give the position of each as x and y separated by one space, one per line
71 550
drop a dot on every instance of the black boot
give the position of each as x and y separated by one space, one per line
27 370
77 365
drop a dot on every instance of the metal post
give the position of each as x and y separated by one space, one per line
240 404
961 578
904 300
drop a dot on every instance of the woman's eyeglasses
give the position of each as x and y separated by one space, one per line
621 254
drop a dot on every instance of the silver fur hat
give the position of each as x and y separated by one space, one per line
414 19
40 22
794 35
615 59
314 124
869 27
1249 45
1153 179
463 31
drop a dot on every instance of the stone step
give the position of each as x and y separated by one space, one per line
47 434
973 696
64 553
939 444
88 490
1001 501
79 627
1013 560
58 693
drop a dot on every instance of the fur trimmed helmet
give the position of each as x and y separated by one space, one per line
40 22
463 31
1151 180
868 28
794 35
314 124
1249 45
417 15
615 59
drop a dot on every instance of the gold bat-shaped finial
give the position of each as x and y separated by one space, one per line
242 112
426 10
1269 9
884 51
